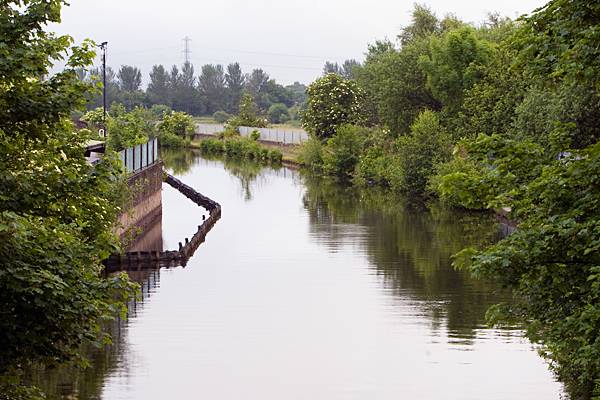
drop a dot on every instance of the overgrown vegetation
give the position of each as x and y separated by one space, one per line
239 147
501 115
56 210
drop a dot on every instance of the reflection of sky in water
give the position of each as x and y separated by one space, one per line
278 305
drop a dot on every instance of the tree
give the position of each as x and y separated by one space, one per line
452 66
112 88
348 68
130 78
234 82
211 85
424 24
158 88
278 113
248 115
256 82
331 68
332 101
56 210
397 85
297 92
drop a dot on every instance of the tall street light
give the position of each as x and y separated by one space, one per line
103 46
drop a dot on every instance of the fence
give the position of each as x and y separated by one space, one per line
279 135
139 157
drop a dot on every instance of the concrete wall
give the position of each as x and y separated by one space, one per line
144 209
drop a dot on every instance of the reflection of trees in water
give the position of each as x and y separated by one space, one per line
410 248
74 382
180 161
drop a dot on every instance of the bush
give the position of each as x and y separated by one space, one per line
341 154
311 154
241 148
421 151
177 123
255 135
159 110
332 102
221 116
171 140
278 113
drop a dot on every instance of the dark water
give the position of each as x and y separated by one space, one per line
308 290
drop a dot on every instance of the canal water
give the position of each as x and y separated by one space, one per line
306 289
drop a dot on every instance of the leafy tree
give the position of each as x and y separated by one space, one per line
211 85
56 210
130 78
346 70
297 92
452 66
424 24
248 115
331 68
185 97
332 101
396 84
112 87
342 150
234 82
221 116
552 264
158 87
420 152
256 83
278 113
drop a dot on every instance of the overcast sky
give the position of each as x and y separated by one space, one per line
289 39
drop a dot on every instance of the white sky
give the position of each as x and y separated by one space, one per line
289 39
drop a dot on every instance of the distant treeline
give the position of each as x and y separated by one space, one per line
215 89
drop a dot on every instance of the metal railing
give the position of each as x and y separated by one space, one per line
139 157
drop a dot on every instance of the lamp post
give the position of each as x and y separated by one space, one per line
103 46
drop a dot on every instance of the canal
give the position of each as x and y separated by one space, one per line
306 289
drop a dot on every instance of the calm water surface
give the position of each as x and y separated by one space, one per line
308 290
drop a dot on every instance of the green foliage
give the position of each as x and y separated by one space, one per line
419 153
311 154
127 129
341 154
159 110
495 170
56 211
221 116
452 67
255 135
94 118
397 85
278 113
175 128
240 147
489 105
552 263
332 101
248 115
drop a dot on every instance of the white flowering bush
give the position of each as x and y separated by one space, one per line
332 102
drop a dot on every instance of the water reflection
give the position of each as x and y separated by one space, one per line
410 248
74 382
306 289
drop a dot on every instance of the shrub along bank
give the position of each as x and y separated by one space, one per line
240 147
499 115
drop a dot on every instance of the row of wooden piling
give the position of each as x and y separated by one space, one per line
142 260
